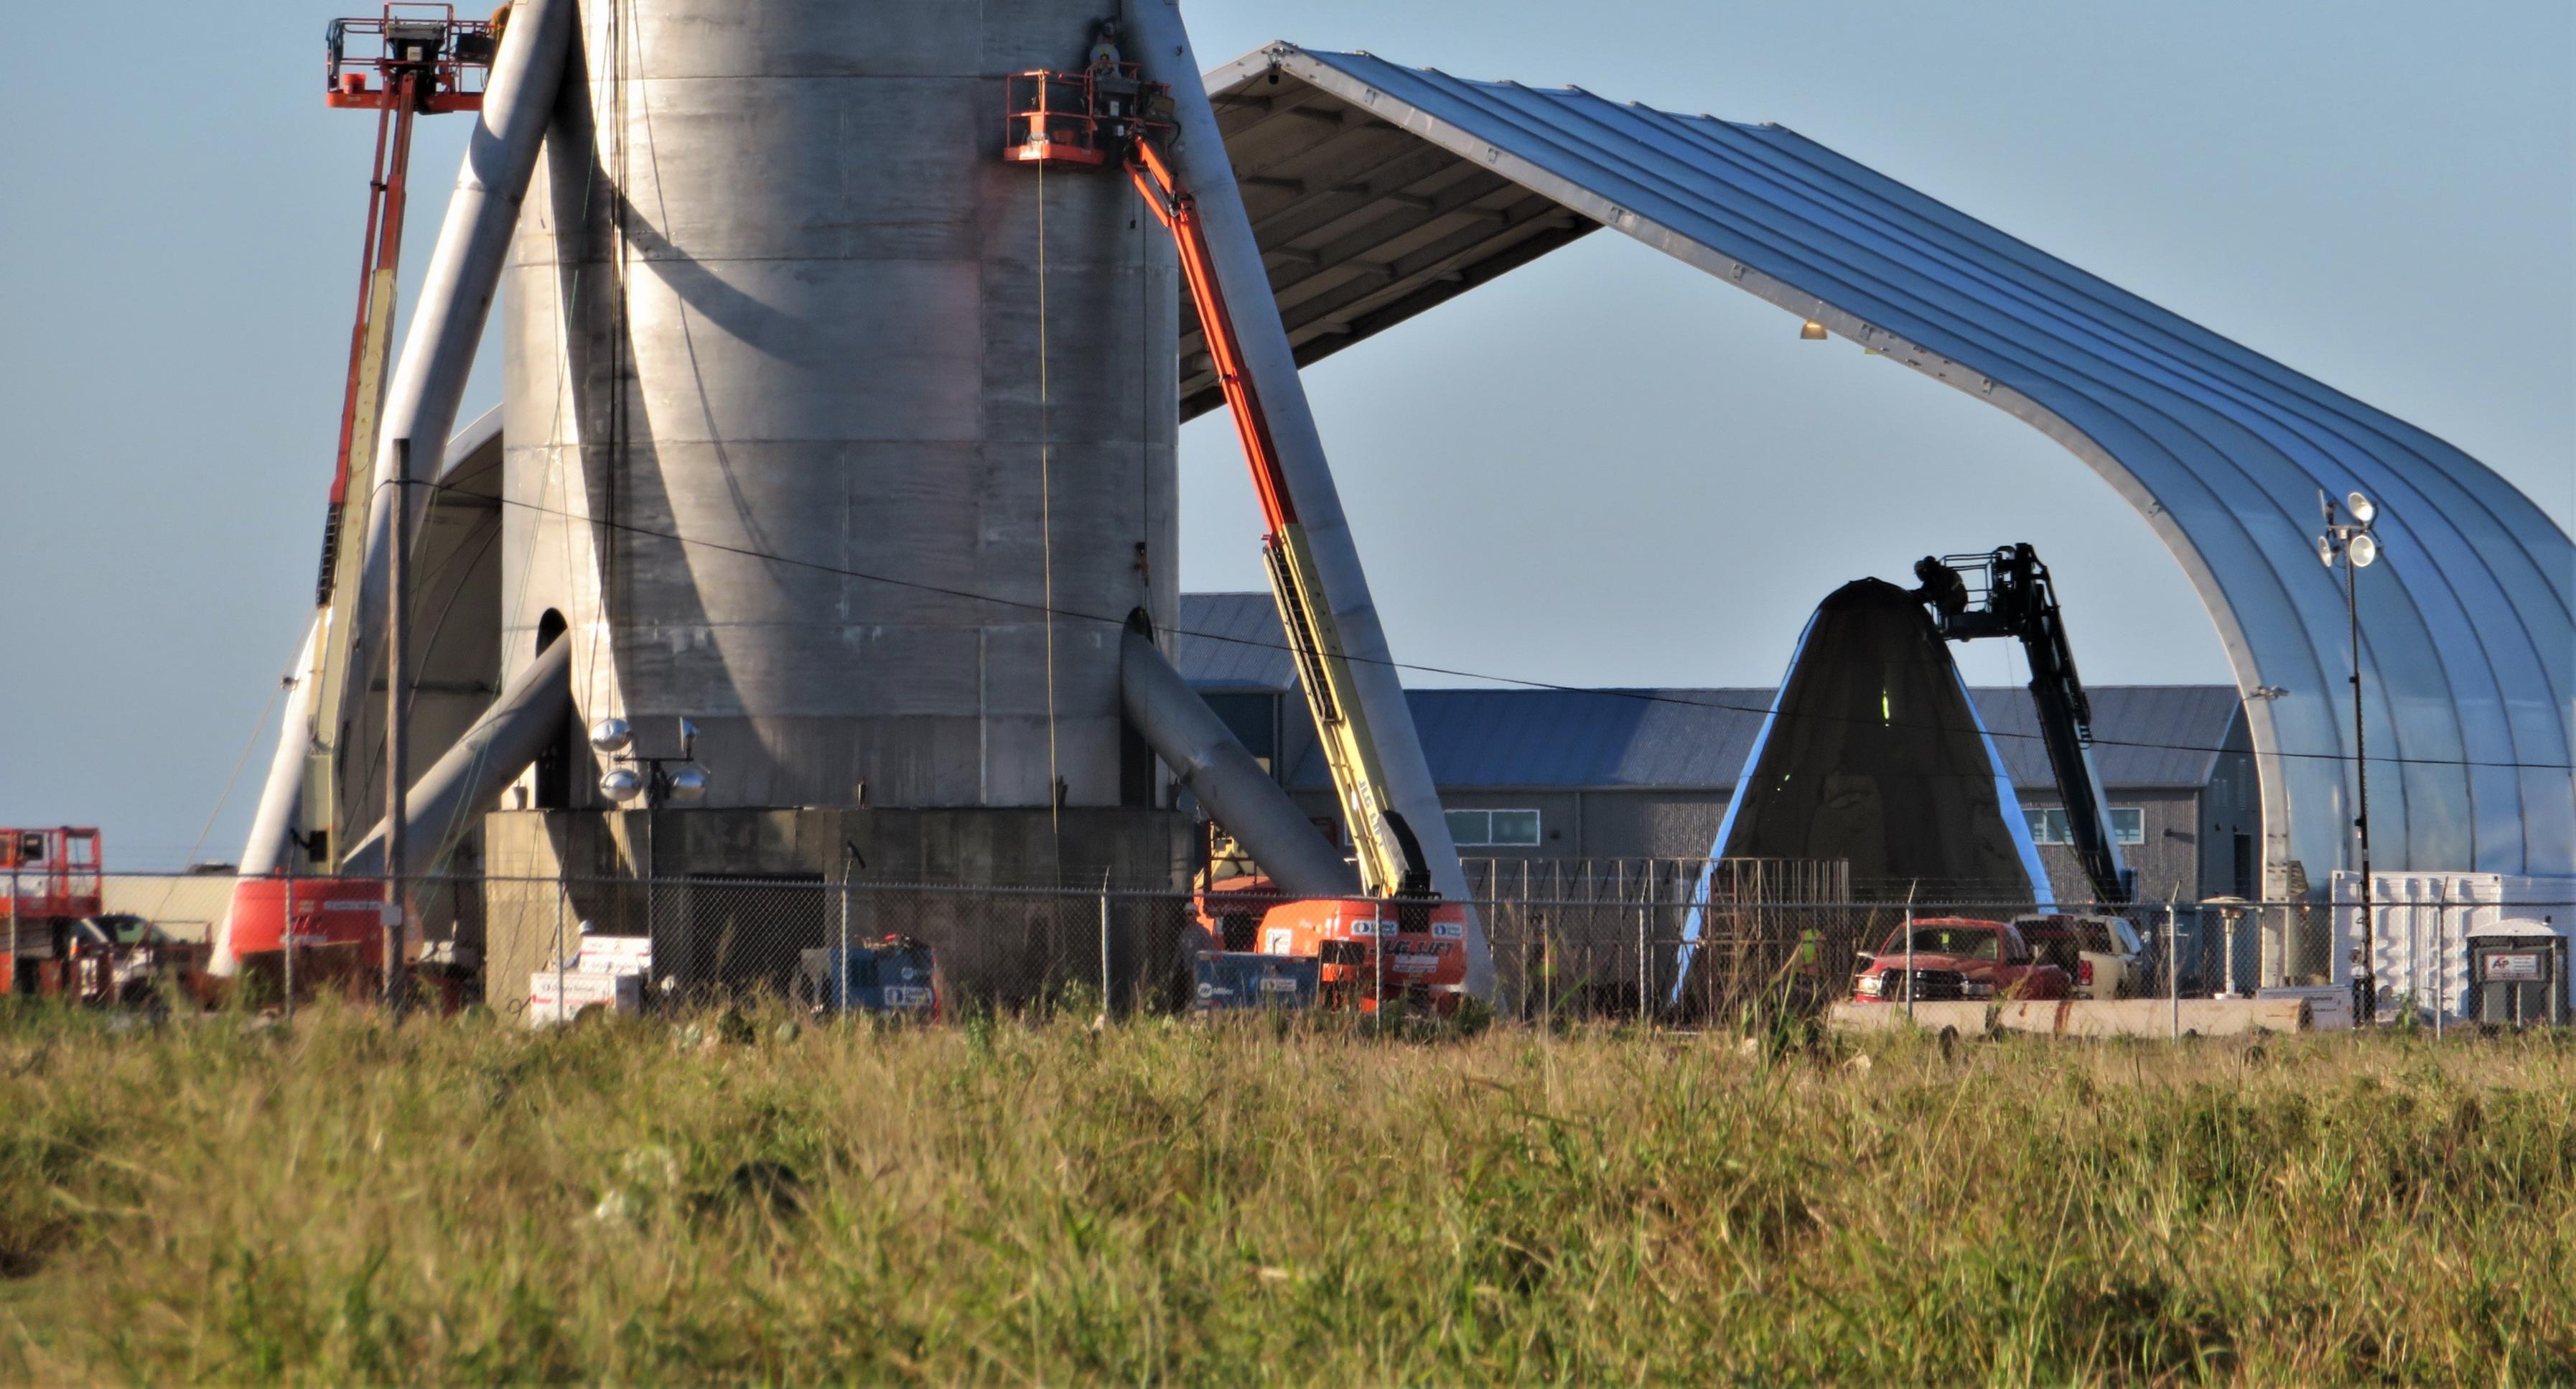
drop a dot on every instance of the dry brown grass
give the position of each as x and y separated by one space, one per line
1012 1202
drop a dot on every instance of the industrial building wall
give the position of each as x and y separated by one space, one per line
1676 823
1590 822
2167 860
2231 827
2190 837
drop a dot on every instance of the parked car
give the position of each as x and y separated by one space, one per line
2102 955
1957 958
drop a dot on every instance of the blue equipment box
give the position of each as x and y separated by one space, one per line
897 975
1235 979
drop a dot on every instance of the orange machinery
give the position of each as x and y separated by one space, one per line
52 882
1399 940
406 61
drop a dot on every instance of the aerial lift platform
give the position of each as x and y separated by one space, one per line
408 61
1397 939
2006 592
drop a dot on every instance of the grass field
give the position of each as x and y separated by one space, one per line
1015 1203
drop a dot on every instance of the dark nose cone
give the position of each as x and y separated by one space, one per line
1874 755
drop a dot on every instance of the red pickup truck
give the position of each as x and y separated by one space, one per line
1957 958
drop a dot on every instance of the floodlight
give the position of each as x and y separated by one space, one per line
2326 551
611 735
1811 331
622 784
686 784
2360 507
2365 548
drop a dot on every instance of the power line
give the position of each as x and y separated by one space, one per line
1641 696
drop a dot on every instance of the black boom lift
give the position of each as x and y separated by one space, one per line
2007 593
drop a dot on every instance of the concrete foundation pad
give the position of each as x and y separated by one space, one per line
2128 1017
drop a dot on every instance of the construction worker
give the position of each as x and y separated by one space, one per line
1113 92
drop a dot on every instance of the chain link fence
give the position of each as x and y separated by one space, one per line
1677 942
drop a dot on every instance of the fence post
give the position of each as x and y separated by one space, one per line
1377 961
13 919
286 935
397 746
1909 956
2173 965
841 966
562 890
1641 960
2441 956
1547 967
2232 920
1104 947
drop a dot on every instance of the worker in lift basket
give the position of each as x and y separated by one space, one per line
1111 87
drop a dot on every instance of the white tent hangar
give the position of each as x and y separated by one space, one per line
1379 191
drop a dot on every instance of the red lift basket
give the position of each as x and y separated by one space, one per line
363 59
1083 118
51 873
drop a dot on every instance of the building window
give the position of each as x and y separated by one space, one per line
1508 829
2048 824
2128 824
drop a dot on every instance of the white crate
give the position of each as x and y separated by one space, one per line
560 995
616 954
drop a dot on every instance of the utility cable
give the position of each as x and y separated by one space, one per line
294 666
1046 523
1637 695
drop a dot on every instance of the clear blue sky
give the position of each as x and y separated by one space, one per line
1605 469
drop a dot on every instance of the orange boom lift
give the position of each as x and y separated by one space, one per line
1400 941
409 60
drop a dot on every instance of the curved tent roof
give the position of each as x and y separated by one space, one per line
1379 191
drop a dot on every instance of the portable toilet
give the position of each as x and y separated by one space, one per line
2518 974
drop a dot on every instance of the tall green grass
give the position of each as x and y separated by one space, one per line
1001 1201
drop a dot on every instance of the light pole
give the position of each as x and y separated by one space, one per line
2348 542
397 745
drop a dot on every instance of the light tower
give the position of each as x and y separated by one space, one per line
2348 542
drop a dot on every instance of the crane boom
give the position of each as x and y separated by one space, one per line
1390 860
413 59
2013 596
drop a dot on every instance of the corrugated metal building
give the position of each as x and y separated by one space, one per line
1632 773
